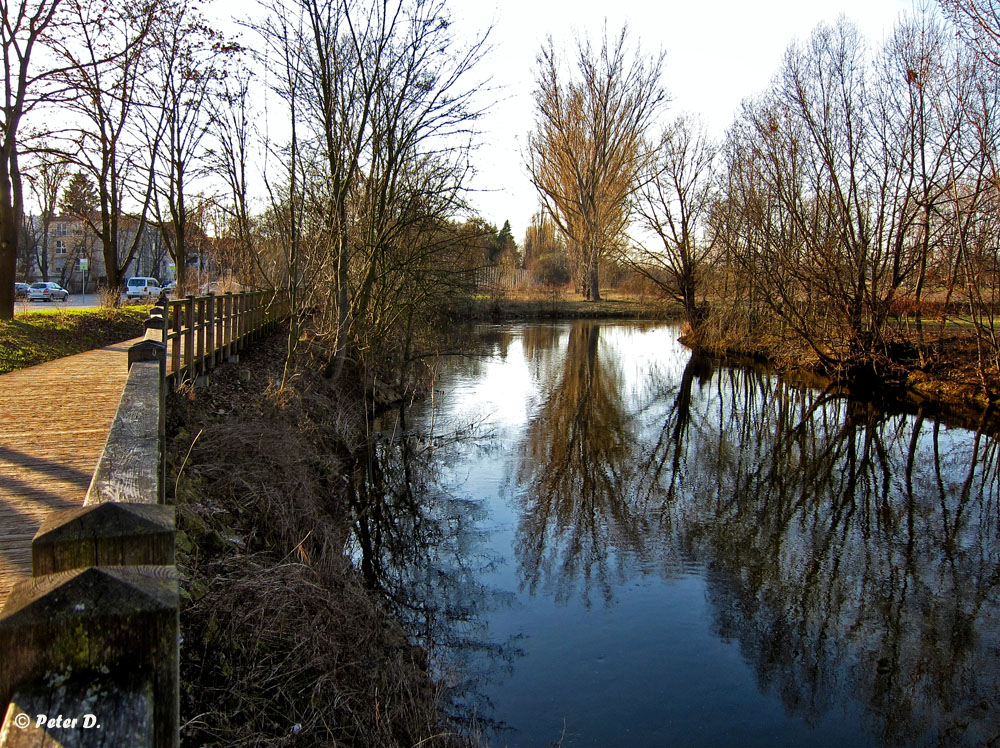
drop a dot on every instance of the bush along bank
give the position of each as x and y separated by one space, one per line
282 642
945 375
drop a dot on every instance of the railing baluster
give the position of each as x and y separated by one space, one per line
209 362
189 339
228 313
200 354
175 354
220 331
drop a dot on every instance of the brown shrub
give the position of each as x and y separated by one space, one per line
283 644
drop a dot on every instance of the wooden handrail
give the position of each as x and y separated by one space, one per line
101 609
206 331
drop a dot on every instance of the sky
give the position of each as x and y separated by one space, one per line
717 54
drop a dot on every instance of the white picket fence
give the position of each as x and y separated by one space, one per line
493 279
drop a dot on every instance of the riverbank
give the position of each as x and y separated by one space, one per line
947 380
283 642
566 306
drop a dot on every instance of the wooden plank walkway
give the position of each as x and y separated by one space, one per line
54 420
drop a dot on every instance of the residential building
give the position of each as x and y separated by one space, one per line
70 240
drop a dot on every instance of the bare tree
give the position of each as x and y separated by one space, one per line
22 31
589 143
824 200
919 118
674 203
286 62
974 187
979 23
228 157
191 60
382 130
45 178
855 188
107 59
970 212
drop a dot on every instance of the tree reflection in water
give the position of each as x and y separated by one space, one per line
420 546
577 518
853 553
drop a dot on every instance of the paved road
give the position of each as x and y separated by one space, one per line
74 301
54 420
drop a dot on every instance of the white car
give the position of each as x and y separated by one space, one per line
47 291
141 287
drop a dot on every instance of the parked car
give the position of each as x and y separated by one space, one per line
170 289
21 290
47 291
141 287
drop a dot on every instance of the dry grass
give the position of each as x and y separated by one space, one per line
283 645
570 305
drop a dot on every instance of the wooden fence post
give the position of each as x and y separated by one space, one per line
228 314
200 354
116 621
245 320
237 329
175 351
189 338
256 314
251 310
210 332
220 330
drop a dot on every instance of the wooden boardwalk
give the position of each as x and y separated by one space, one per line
54 420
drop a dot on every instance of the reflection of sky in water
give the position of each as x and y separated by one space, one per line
504 392
664 633
501 393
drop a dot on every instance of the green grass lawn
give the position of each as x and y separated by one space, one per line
36 337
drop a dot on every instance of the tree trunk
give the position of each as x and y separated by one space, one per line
180 276
592 280
9 222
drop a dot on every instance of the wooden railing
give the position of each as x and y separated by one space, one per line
205 331
93 634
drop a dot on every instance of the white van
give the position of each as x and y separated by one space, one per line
142 288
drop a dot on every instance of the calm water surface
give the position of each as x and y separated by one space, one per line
605 541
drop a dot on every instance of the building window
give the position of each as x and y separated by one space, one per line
60 247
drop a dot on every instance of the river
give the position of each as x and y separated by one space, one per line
603 540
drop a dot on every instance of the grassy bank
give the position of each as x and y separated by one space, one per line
283 643
36 337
